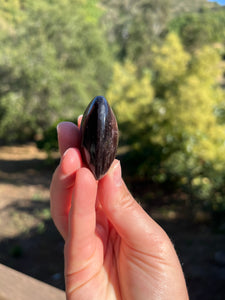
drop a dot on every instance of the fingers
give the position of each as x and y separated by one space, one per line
68 136
64 176
132 223
62 187
82 221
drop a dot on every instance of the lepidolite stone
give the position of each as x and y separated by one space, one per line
99 136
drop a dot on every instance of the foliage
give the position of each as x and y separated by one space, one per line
198 29
48 141
173 130
133 26
56 55
53 59
179 7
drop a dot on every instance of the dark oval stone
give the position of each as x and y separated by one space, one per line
99 136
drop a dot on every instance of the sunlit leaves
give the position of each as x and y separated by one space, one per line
170 117
53 58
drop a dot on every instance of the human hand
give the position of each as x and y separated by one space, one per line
113 248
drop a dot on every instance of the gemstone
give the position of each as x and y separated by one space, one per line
99 136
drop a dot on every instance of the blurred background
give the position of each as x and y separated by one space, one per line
161 66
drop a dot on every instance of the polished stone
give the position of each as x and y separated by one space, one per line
99 136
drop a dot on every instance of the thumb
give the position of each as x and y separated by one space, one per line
129 219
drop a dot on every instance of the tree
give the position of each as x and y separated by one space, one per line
53 61
130 98
199 29
181 7
173 129
133 26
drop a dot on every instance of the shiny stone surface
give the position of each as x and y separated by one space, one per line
99 136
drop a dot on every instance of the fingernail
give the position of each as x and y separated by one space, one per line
70 161
115 172
79 119
58 128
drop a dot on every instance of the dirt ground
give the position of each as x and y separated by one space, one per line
30 243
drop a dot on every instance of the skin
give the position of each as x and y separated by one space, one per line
113 248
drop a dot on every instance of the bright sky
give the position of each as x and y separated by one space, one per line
222 2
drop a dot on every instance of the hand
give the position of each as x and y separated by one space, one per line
113 249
